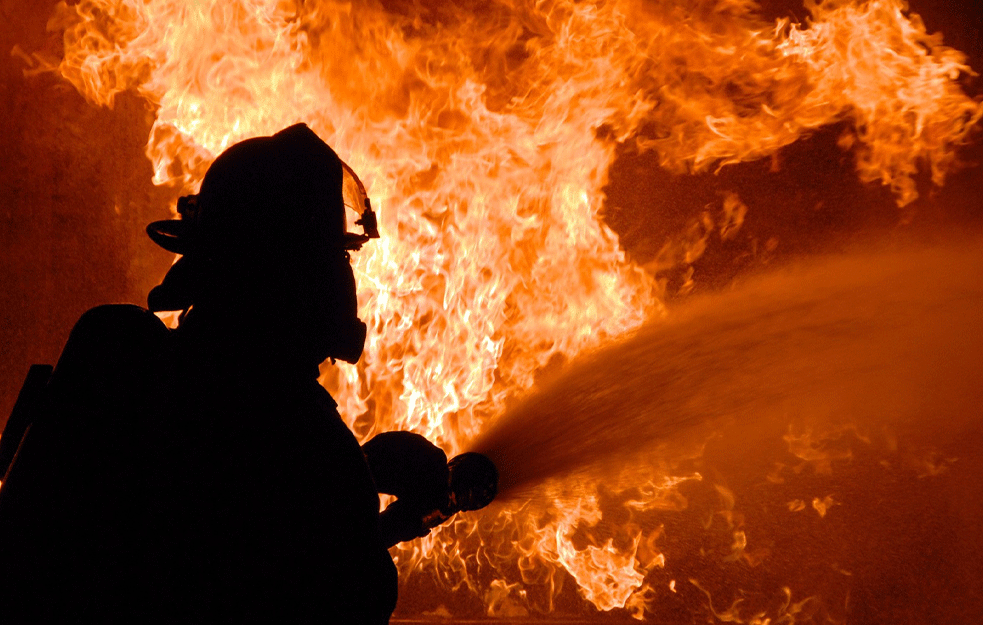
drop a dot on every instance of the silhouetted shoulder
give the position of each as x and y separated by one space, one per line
115 330
111 347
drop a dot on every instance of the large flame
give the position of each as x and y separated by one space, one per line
485 140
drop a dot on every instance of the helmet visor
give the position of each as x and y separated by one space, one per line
356 200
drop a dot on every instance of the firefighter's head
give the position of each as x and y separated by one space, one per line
267 237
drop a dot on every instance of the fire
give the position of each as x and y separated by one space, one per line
485 142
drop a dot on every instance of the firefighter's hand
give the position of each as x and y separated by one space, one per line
400 522
407 465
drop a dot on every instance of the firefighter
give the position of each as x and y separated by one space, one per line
202 474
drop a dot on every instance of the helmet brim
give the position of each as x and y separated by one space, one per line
174 235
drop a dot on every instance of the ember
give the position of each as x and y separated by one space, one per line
693 462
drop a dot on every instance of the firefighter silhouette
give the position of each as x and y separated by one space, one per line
201 474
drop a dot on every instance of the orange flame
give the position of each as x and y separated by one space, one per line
485 142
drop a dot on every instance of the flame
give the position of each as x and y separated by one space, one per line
485 142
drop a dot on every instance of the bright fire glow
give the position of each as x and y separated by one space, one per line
485 142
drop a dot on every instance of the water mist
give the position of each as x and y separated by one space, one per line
882 339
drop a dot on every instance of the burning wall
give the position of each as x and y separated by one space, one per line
486 134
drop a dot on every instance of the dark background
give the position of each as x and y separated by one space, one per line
75 195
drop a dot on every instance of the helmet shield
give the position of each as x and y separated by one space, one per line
356 201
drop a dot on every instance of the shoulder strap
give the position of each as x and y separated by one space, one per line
22 416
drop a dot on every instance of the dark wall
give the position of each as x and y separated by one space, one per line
75 194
